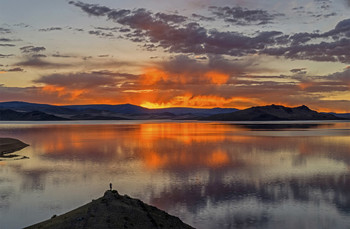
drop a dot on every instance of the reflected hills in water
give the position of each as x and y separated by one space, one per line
22 111
211 175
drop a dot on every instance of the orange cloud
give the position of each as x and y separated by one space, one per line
153 75
62 91
217 77
305 85
189 100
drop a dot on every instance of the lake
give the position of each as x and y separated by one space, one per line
210 174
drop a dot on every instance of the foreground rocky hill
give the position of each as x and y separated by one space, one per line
113 211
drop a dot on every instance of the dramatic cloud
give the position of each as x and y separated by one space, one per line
240 16
179 36
225 55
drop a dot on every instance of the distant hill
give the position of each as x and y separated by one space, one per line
11 115
27 107
194 111
35 112
121 109
342 115
273 113
113 112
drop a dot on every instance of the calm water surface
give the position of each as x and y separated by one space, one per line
211 175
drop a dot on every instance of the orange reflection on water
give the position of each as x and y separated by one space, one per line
170 145
218 158
160 160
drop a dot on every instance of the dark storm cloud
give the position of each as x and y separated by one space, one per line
241 16
192 38
50 29
32 49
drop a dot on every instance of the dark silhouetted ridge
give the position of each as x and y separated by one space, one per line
114 211
273 113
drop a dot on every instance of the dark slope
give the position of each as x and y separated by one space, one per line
113 112
27 107
342 115
194 111
121 109
11 115
273 113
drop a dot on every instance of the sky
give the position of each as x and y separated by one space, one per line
185 53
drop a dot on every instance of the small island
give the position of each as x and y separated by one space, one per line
113 211
10 145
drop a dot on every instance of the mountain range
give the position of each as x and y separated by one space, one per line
15 111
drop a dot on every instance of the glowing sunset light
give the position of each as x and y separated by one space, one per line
200 101
217 77
305 85
177 54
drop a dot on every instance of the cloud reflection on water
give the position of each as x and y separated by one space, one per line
191 169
